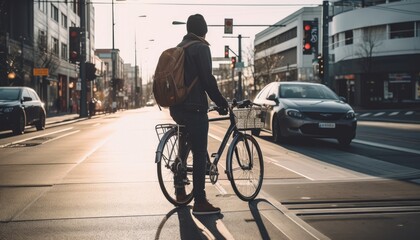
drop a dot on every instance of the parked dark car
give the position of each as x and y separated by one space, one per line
302 109
20 107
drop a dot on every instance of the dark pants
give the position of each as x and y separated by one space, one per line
197 126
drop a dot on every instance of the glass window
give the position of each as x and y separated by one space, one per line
348 37
54 12
63 20
64 51
33 95
9 94
55 46
401 30
41 5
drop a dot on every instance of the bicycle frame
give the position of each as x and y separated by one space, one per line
231 129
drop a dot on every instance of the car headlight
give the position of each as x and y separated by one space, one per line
350 114
294 113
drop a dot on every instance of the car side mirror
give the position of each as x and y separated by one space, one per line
343 99
273 97
27 99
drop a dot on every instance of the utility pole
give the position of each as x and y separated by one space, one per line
240 72
136 92
325 50
83 94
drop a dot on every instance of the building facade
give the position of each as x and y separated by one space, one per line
373 46
34 35
375 52
279 50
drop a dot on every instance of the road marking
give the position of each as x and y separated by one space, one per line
288 223
61 136
43 135
380 145
409 113
378 114
393 113
365 114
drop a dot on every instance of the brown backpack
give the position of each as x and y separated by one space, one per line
169 87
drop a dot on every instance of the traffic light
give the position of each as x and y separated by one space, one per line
307 37
233 59
74 40
228 25
320 66
226 51
90 71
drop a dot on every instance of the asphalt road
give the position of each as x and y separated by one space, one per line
96 179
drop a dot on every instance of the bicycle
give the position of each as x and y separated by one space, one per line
244 160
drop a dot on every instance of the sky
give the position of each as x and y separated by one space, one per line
154 31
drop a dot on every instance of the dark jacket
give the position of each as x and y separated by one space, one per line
198 63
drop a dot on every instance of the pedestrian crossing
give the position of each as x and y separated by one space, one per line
384 114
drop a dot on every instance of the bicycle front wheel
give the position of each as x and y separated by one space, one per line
245 167
175 177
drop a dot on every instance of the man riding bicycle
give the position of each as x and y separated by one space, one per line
192 113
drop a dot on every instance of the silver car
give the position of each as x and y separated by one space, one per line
295 109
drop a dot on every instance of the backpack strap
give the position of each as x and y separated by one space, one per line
187 44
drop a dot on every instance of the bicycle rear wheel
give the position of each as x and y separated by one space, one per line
245 167
172 174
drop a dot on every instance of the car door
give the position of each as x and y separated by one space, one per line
261 99
271 106
27 106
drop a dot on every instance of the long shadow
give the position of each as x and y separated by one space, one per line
193 227
253 207
313 147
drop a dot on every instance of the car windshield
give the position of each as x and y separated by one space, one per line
9 94
307 91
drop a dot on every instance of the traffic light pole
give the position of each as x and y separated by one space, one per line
83 94
325 50
240 72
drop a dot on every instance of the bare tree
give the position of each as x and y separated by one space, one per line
366 49
45 58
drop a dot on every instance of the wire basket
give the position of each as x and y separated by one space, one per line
248 118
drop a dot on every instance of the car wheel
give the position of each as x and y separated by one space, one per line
256 132
20 124
40 124
344 141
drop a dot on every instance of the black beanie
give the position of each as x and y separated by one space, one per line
197 25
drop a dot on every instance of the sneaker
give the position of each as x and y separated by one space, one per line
204 208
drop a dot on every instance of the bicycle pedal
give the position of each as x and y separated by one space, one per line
213 155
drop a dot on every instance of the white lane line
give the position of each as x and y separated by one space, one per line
393 113
380 145
43 135
365 114
379 114
409 113
273 161
61 136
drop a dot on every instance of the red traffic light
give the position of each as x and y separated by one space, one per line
226 51
307 27
307 46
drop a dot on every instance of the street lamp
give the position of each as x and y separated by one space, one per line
138 92
114 90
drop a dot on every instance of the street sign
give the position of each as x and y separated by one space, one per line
79 85
40 72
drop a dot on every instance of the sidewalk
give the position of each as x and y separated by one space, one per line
62 117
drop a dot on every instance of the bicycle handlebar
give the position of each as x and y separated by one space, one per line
239 104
